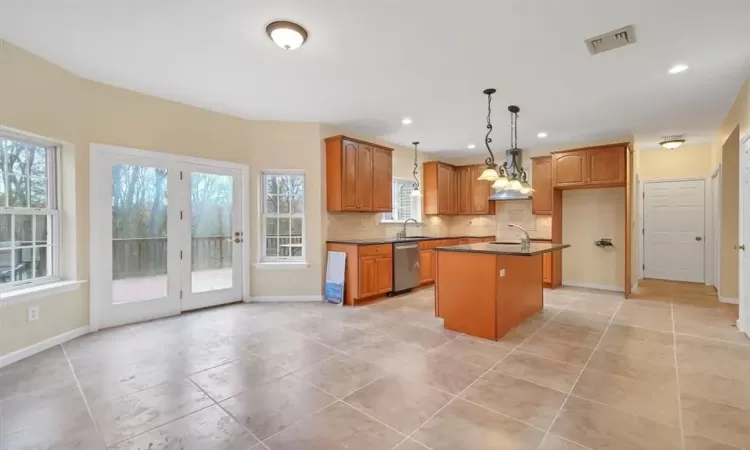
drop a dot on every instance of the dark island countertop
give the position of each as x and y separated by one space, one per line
536 248
395 240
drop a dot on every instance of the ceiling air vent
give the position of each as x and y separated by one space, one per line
612 40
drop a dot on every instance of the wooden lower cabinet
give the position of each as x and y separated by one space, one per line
426 266
384 276
368 276
547 268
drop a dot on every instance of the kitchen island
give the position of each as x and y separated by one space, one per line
487 289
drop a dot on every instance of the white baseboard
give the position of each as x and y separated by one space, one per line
18 355
732 301
287 298
601 287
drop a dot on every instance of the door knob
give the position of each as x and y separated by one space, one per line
237 240
238 233
739 247
698 238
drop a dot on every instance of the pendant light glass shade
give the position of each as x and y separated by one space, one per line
500 183
513 185
416 193
526 187
489 174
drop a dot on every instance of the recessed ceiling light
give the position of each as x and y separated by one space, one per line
677 68
406 121
472 146
542 135
287 35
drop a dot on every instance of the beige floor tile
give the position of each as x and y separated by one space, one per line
724 332
473 351
386 352
410 445
661 374
716 388
402 404
207 429
651 318
552 442
522 400
654 303
713 357
340 375
558 350
51 407
295 356
439 371
636 397
267 409
77 433
25 377
343 337
570 334
546 372
235 377
588 321
606 307
639 343
133 414
337 427
717 421
600 427
464 426
704 443
415 335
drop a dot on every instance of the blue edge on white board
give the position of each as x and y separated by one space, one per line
334 287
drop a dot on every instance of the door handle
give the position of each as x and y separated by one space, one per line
698 238
739 247
237 240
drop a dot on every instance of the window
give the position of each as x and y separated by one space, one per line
404 205
283 217
28 213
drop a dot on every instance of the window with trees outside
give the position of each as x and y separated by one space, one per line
405 206
28 213
283 217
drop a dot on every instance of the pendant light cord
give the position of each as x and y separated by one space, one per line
490 160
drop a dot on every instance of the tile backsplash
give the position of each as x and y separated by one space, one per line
367 225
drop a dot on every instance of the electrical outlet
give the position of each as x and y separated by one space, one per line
33 313
502 272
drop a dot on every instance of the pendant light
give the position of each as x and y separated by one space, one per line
490 173
415 186
515 173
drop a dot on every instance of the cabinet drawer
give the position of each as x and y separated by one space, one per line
380 249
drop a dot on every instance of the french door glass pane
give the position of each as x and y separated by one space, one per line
211 231
139 233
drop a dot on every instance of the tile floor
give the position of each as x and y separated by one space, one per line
664 370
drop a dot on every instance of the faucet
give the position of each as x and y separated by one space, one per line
525 240
402 234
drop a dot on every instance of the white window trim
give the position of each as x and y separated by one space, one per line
277 262
420 216
55 231
27 293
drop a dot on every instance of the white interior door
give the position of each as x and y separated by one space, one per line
744 320
673 222
212 262
166 235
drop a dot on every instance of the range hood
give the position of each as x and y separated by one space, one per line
503 195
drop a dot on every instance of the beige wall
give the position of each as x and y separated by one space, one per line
685 162
588 215
41 98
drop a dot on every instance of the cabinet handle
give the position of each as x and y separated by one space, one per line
739 247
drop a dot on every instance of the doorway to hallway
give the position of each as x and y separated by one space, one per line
167 234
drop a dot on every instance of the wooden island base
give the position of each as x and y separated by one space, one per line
475 297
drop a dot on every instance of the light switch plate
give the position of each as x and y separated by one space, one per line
33 313
502 272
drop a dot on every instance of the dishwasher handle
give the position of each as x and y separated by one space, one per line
405 247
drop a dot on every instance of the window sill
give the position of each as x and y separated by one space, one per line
27 294
282 265
400 221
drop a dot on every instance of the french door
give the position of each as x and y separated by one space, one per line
166 235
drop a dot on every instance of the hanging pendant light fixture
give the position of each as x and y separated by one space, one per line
490 173
515 173
415 186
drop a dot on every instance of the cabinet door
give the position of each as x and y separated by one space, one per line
453 205
385 274
368 276
547 268
480 193
382 180
606 165
426 270
364 177
464 190
569 168
541 181
445 185
349 176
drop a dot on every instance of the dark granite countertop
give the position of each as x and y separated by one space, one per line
536 248
395 240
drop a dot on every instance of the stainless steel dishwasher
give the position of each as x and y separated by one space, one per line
405 266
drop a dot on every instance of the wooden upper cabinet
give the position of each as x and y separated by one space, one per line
606 165
464 190
569 168
480 192
358 176
541 182
446 197
382 198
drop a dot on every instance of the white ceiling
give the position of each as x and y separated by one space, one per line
369 63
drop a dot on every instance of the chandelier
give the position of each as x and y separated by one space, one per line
508 176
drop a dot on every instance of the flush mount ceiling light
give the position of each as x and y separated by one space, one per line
672 142
678 68
287 35
415 186
542 135
406 121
